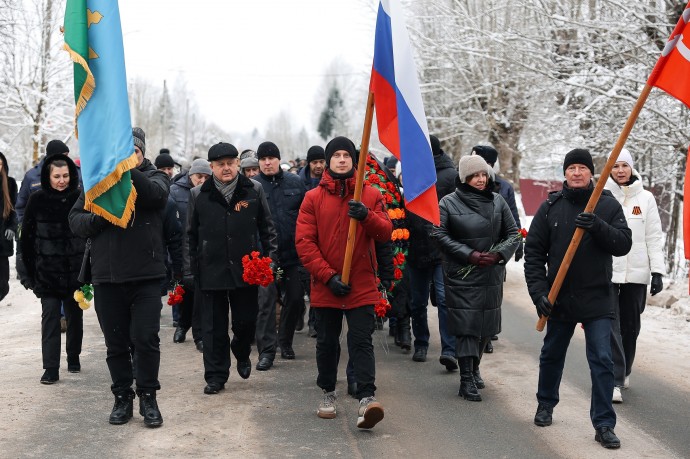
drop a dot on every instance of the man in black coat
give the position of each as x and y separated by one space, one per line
284 193
127 266
426 269
586 295
228 218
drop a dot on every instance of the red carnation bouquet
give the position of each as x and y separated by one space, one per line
176 295
383 306
257 269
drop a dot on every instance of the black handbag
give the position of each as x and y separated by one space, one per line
85 271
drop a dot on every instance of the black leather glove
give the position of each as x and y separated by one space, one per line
488 259
587 221
386 284
544 307
358 211
520 251
657 284
474 258
337 286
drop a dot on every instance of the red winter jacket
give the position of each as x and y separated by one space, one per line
321 237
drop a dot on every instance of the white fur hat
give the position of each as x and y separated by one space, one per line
625 156
470 165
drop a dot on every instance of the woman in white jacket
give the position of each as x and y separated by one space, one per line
631 273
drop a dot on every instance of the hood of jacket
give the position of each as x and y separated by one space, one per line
620 192
45 173
183 180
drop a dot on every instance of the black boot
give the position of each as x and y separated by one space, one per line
478 381
148 407
180 334
468 390
404 338
50 376
122 409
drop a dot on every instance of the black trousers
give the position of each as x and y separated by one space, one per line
129 313
242 304
360 327
4 277
266 334
293 305
190 312
50 330
632 299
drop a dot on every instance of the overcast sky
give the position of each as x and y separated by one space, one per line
247 60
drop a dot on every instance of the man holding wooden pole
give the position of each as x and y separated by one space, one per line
586 295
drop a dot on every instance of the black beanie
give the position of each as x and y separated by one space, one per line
487 152
139 139
164 160
579 156
267 149
340 143
56 147
392 162
435 145
314 153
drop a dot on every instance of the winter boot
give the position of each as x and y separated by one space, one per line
404 339
122 409
148 407
50 376
478 381
468 389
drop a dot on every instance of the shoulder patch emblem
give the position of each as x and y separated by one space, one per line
636 210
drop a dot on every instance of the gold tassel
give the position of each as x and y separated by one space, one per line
104 185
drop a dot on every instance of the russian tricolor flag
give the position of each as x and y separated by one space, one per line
400 112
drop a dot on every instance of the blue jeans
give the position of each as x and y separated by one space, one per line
552 360
420 279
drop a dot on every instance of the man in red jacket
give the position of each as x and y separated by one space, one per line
322 227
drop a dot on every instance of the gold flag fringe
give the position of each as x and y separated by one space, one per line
86 90
104 185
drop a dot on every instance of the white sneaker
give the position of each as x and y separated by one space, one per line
626 384
617 396
327 406
370 413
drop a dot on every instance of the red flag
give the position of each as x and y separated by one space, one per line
672 74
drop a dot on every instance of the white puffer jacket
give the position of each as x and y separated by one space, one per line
646 255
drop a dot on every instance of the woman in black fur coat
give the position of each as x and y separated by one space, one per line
53 256
8 224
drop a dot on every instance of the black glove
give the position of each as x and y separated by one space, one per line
27 283
657 284
386 284
474 258
587 221
358 211
544 307
337 286
178 277
519 252
488 259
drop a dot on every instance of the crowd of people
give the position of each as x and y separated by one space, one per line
193 228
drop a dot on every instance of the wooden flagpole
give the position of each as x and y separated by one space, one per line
361 167
591 204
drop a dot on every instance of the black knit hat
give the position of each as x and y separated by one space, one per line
579 156
267 149
392 162
222 150
56 147
435 145
340 143
314 153
139 139
487 152
163 160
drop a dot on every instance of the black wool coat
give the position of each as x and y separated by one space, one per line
51 252
473 220
134 253
587 291
219 233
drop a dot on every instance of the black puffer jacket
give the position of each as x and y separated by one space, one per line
284 193
474 220
7 247
586 292
135 253
51 252
220 234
